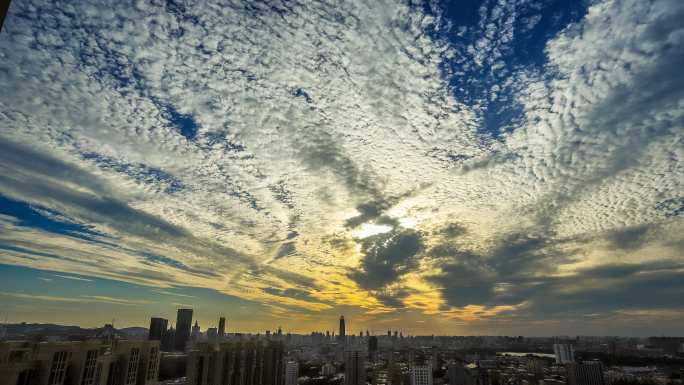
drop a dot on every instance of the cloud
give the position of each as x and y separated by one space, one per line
79 299
174 294
73 278
386 258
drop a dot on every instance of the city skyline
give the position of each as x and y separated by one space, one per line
508 167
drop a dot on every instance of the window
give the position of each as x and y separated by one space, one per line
132 372
58 368
16 356
89 368
98 373
153 364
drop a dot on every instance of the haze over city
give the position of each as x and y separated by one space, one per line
496 167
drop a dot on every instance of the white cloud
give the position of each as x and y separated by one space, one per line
71 277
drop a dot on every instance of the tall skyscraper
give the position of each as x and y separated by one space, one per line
291 373
168 340
458 375
372 347
183 325
565 353
222 327
354 368
586 373
421 374
342 335
420 368
157 328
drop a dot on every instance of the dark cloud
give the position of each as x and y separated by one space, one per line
151 176
630 238
387 257
451 230
290 293
521 269
154 259
285 249
672 207
609 288
520 254
300 280
466 281
392 298
503 275
324 151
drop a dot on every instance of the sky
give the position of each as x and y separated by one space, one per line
511 167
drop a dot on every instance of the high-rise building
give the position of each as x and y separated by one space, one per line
291 373
236 362
212 334
168 339
585 373
157 328
342 335
222 327
183 325
372 347
565 353
380 377
354 368
421 374
458 375
328 370
196 332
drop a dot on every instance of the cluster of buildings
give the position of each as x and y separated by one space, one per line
185 355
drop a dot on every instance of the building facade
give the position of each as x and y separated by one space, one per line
93 362
342 336
354 368
565 353
421 374
291 373
183 325
236 363
458 375
158 328
222 327
585 373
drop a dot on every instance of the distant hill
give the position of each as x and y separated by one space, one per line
136 331
36 331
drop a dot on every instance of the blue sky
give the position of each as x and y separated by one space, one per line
475 167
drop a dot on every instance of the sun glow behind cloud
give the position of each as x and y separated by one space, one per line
369 229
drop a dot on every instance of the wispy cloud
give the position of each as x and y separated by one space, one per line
73 278
174 294
81 299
